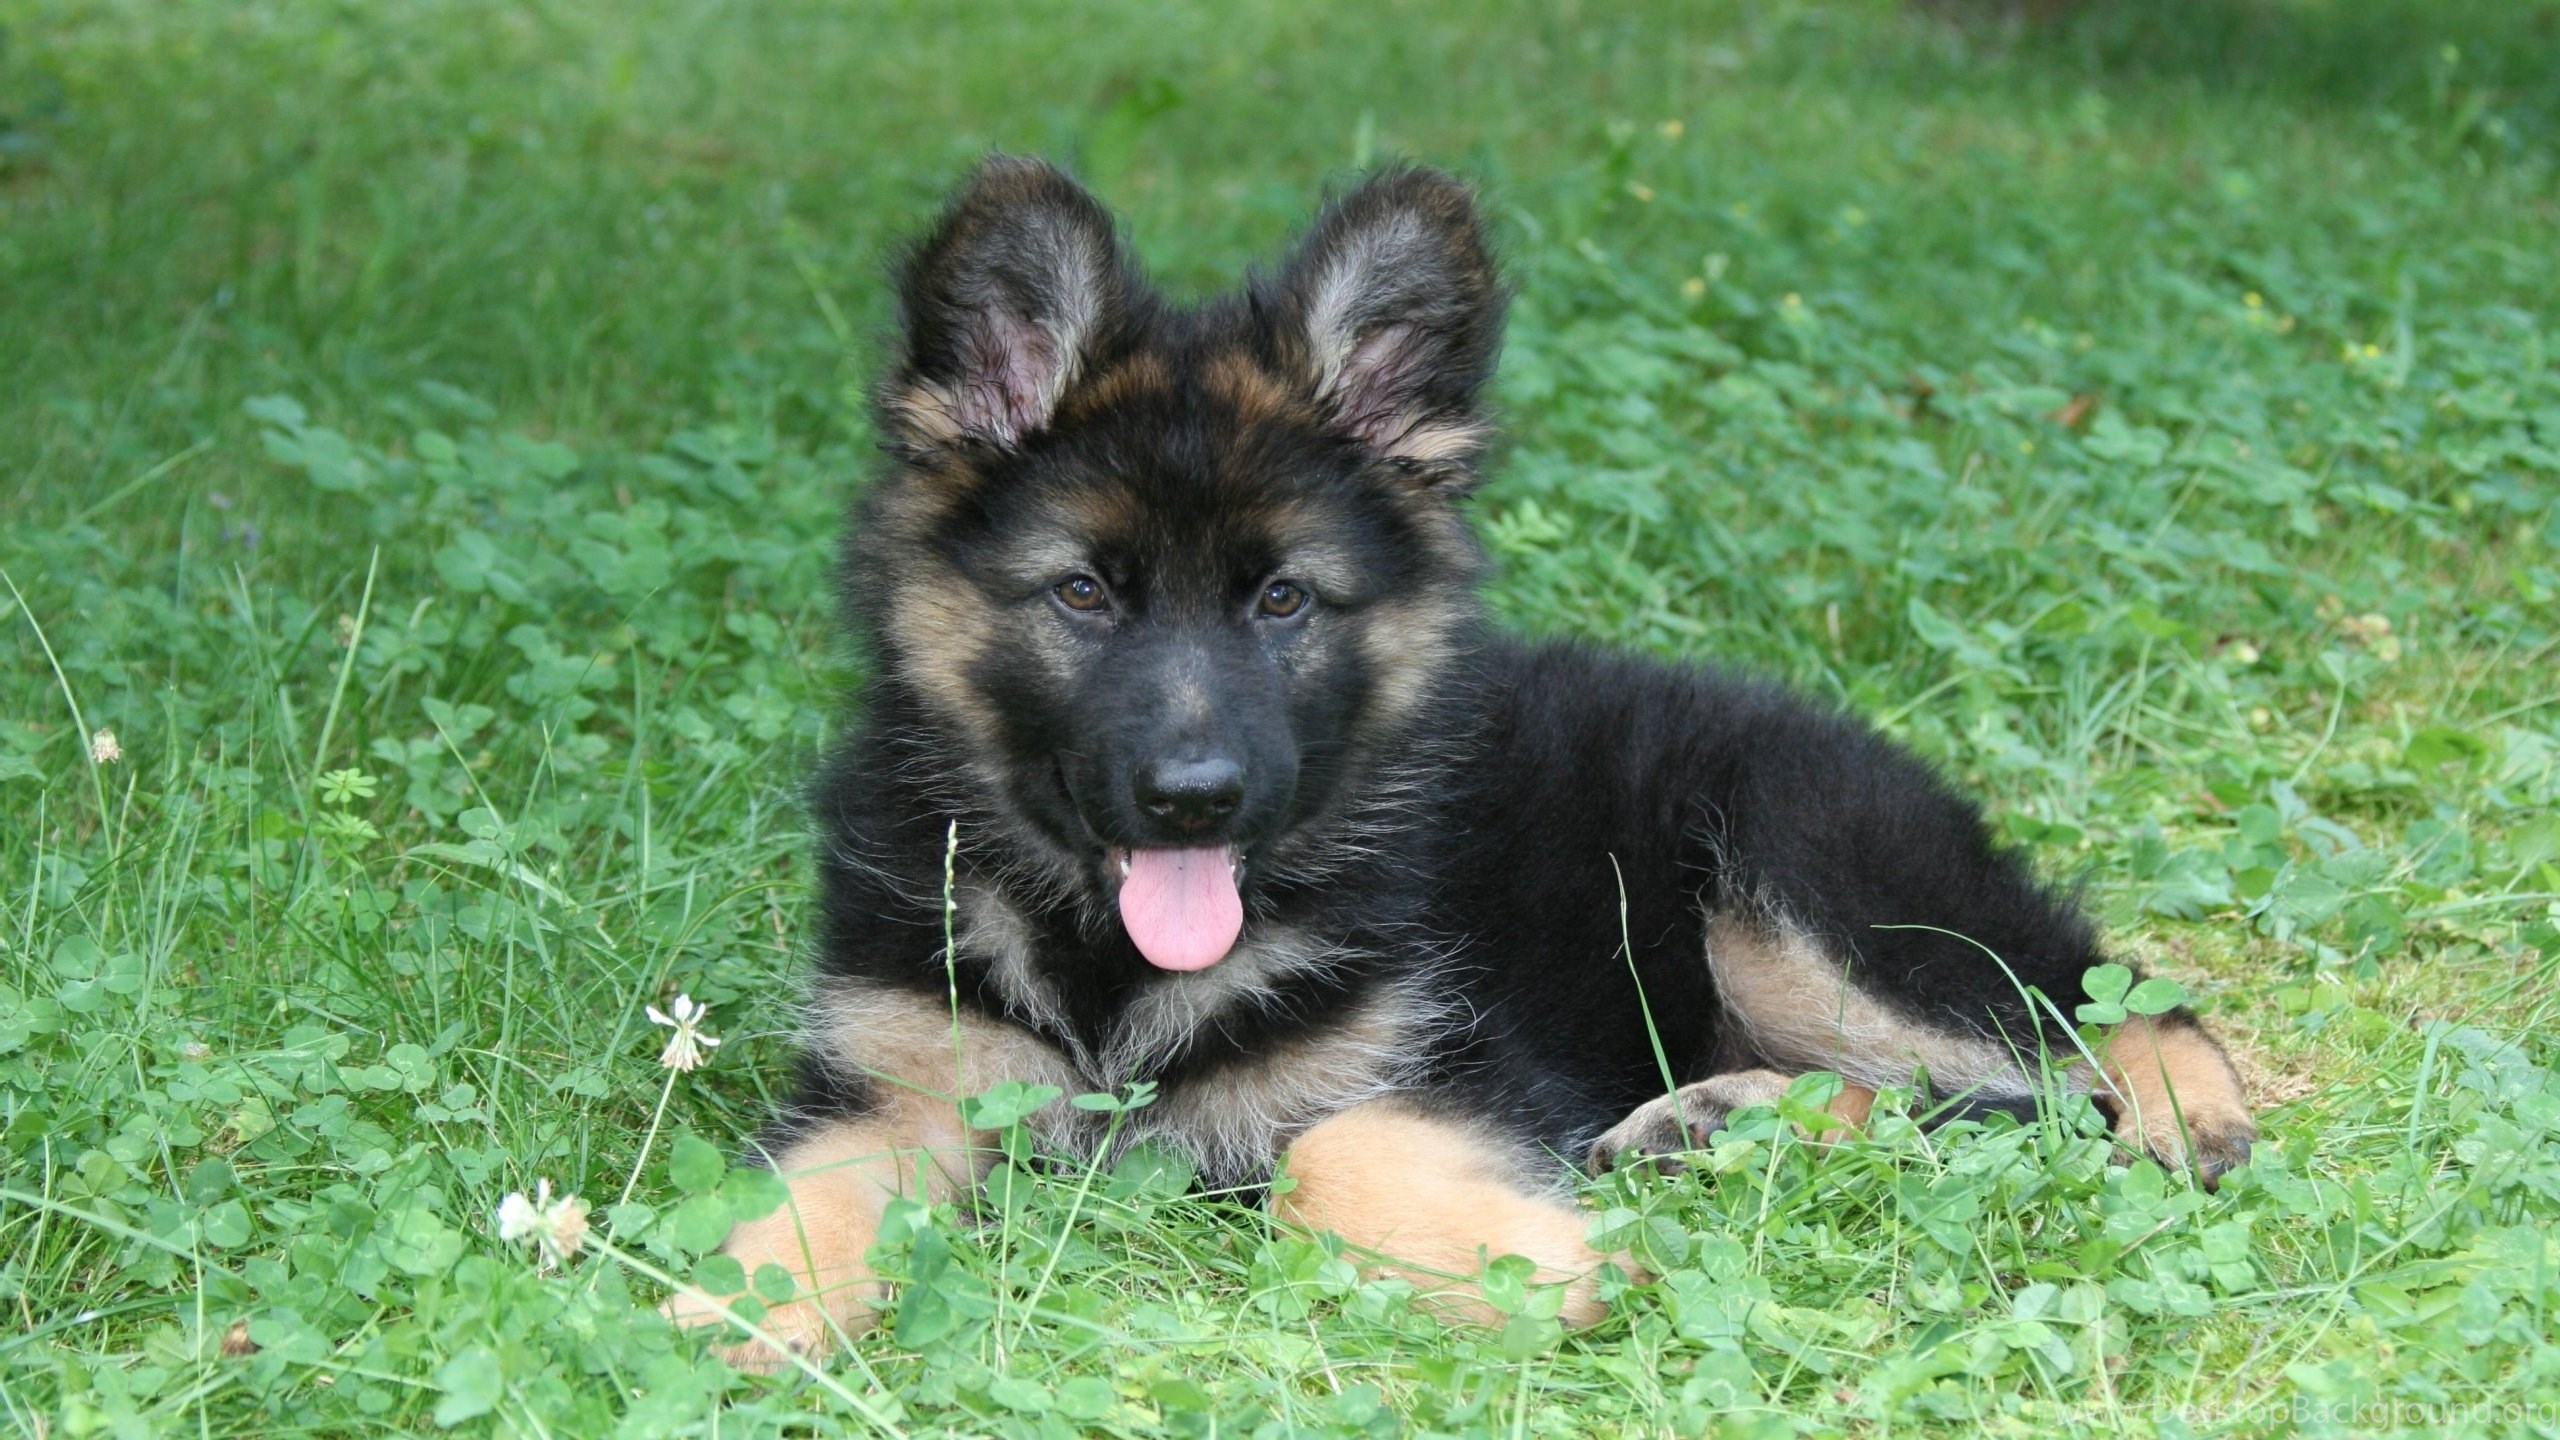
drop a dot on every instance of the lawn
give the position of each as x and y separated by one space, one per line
424 428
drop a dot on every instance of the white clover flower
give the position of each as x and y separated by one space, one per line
685 1046
520 1219
103 749
556 1227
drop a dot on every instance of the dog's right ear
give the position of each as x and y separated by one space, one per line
1016 290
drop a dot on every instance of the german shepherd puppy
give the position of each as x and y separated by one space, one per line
1172 612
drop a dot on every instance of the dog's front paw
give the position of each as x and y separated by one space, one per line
821 1246
1431 1200
801 1328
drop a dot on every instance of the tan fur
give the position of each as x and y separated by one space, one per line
1439 443
2171 1084
904 1041
1434 1200
1406 642
913 1143
842 1174
1138 375
923 413
1853 1107
1800 1011
1089 518
1253 392
937 626
920 498
841 1178
1307 534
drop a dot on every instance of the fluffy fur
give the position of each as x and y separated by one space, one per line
1122 545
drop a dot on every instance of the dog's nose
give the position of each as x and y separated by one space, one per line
1193 793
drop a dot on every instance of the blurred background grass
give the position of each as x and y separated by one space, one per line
601 217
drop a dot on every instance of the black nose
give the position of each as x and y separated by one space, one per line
1193 793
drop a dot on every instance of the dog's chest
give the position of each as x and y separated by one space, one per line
1231 1116
1234 1120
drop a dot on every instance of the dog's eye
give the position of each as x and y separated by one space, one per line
1282 599
1082 593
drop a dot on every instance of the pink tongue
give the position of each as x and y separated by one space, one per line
1181 907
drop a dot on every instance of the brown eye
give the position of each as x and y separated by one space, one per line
1282 599
1082 593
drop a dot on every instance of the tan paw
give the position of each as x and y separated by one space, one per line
2174 1095
802 1327
1432 1200
2212 1139
819 1238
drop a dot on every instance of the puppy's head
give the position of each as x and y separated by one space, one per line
1173 579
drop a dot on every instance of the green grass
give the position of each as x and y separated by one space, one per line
422 433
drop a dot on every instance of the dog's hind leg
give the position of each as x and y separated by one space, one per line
1433 1199
1795 1005
2165 1083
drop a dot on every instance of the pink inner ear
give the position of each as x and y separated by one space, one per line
1374 387
1012 379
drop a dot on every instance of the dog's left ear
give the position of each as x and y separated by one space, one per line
1391 310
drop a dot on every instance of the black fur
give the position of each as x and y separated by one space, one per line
1422 801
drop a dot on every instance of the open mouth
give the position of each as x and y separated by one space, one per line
1181 906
